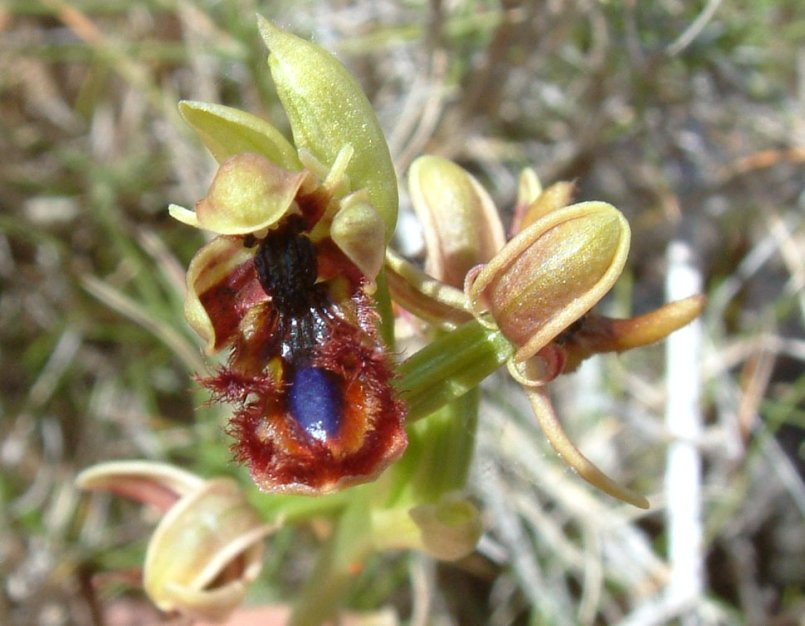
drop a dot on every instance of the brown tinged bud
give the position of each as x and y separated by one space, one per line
551 274
207 548
533 201
460 222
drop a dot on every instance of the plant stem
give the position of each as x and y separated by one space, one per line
331 579
450 366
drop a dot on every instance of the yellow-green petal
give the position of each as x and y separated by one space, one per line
210 265
358 231
249 193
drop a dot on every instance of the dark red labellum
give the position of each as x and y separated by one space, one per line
308 373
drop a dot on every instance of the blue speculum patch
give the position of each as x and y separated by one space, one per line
315 402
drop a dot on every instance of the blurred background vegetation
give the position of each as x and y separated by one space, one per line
689 117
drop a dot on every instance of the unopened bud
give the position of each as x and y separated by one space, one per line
551 274
207 548
460 223
554 197
447 529
450 529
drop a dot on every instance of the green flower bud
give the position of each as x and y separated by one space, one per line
551 274
460 222
327 110
450 529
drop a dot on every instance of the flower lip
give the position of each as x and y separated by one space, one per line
315 402
308 374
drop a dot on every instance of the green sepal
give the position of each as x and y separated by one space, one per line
327 109
227 132
440 448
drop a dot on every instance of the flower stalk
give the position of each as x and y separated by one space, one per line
449 367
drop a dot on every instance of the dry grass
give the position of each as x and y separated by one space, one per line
690 120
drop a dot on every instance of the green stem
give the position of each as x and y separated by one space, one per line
383 304
439 453
294 509
437 377
449 367
331 579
